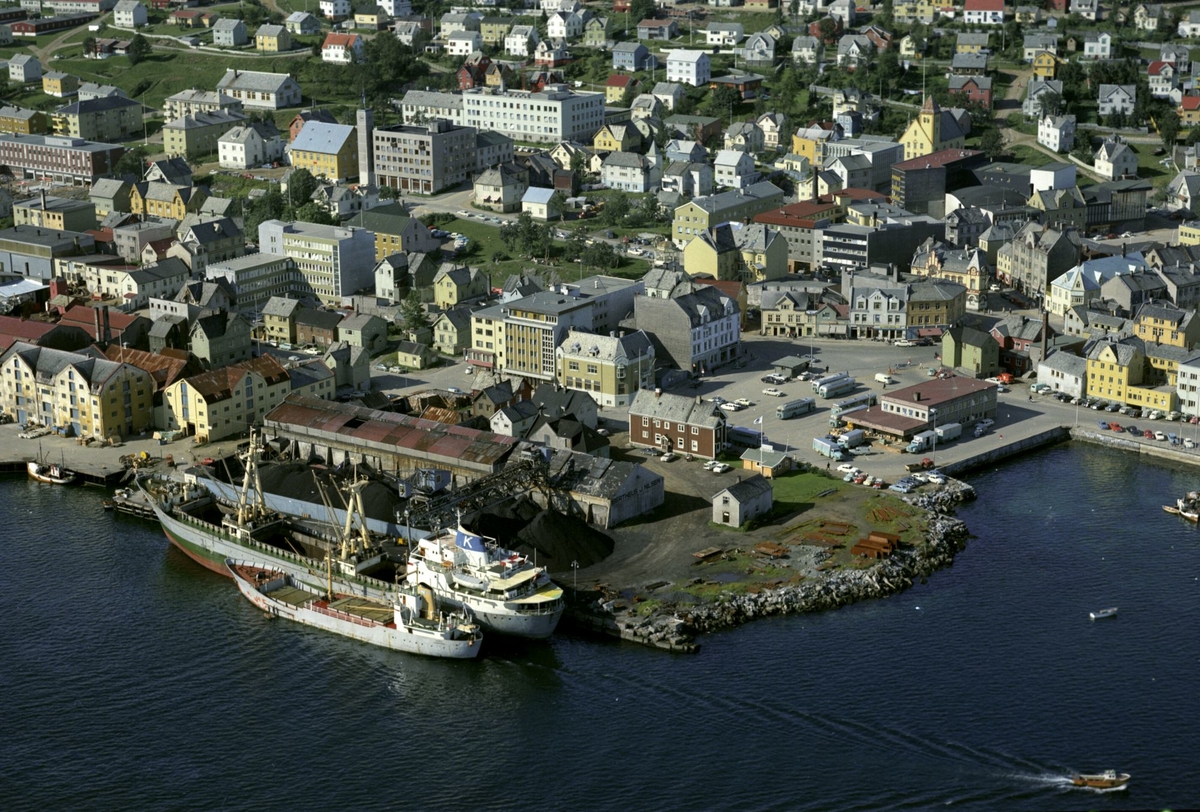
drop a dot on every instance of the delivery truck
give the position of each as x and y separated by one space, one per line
852 438
883 378
948 432
829 447
921 442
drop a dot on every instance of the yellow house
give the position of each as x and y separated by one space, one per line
809 143
1112 368
227 401
1045 64
736 252
94 397
617 138
166 199
59 84
933 129
971 43
1164 323
272 39
913 11
609 368
326 150
1189 233
372 20
20 121
455 286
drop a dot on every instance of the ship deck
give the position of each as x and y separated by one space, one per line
369 610
291 595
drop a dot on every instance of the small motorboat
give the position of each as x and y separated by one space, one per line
1103 613
1109 779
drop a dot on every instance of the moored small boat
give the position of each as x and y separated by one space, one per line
1109 779
411 624
52 473
1103 613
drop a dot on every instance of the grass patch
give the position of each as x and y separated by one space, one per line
1149 167
797 491
1024 154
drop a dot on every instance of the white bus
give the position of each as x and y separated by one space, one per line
865 399
837 376
795 408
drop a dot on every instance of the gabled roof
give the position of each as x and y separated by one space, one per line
323 138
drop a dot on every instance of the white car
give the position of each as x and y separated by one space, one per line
710 464
744 402
732 407
936 477
904 342
721 468
454 390
773 392
847 468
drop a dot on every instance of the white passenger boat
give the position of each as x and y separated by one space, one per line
500 588
1103 613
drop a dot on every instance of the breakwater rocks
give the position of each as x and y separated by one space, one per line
674 626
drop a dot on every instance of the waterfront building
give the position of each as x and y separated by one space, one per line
971 351
1188 385
936 402
678 423
1064 372
1113 367
93 397
227 401
611 369
743 501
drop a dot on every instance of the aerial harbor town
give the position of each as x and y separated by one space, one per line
425 322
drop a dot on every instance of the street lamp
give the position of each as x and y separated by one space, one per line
575 576
933 452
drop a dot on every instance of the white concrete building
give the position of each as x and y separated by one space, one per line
689 67
1057 132
249 146
129 14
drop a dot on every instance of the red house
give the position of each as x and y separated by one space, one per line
973 88
814 29
473 73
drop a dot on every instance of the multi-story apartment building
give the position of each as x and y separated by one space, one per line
327 150
190 102
21 121
31 251
702 213
66 161
198 134
611 369
256 278
112 118
522 335
94 397
695 331
260 90
801 224
424 159
335 261
689 67
554 114
1036 257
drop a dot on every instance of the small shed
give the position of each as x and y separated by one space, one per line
766 462
790 365
746 499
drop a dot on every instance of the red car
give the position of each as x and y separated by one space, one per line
1149 435
1115 426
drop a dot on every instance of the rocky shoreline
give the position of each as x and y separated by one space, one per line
675 627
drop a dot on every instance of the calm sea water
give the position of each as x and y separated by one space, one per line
132 678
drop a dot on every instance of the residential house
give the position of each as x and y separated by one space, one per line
396 232
113 118
983 12
335 10
616 138
1038 89
220 339
774 128
724 34
1115 160
521 40
344 49
1037 255
1147 17
664 421
807 50
744 501
1189 24
688 67
301 22
129 14
24 68
1039 41
275 39
501 188
971 351
632 56
452 331
1117 99
1097 45
454 286
854 51
326 150
974 43
1045 65
539 203
734 169
701 213
977 89
657 30
318 328
617 86
1057 132
1164 81
230 33
759 50
250 145
745 136
199 134
363 330
696 331
630 172
59 85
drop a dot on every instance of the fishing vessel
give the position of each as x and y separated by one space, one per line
503 590
1109 779
51 472
1187 507
410 623
1103 613
209 532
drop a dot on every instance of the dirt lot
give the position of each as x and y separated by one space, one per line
818 518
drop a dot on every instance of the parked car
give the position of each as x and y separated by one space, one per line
847 467
1188 442
1148 434
721 468
1160 435
900 487
745 402
1112 407
1115 427
732 407
1103 426
773 392
670 456
1134 430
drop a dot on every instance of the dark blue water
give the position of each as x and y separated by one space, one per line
132 678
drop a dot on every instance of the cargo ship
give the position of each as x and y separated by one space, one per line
410 623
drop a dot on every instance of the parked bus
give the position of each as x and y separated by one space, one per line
837 376
740 435
846 416
839 387
865 399
796 408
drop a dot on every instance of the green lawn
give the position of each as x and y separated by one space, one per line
1149 167
796 491
1023 154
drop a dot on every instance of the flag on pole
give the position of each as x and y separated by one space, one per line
758 420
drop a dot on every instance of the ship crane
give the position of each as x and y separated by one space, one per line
528 473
